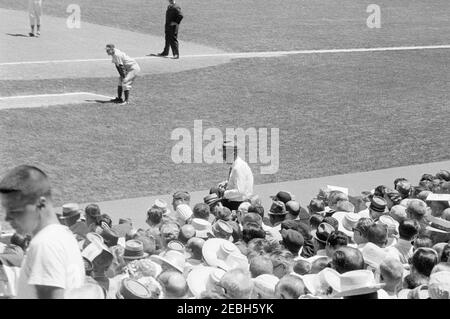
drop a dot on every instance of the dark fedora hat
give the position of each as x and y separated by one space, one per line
282 196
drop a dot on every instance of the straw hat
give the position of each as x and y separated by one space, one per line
352 283
222 253
171 258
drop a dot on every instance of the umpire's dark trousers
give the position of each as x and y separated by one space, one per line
171 40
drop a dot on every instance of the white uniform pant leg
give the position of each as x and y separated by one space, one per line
35 11
129 79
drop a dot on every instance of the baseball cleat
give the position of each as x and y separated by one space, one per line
124 103
176 57
162 55
31 34
117 100
38 34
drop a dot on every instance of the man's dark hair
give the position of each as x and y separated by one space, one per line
408 228
423 241
423 261
377 234
155 215
252 231
258 209
398 180
363 225
445 255
29 183
261 246
93 211
380 190
347 259
201 210
337 239
20 240
316 206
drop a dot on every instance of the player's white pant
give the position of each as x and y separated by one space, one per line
35 11
131 75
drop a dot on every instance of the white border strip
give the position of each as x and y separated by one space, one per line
49 95
252 54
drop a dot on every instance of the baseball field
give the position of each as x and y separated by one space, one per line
381 99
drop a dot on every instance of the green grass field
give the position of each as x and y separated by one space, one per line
337 113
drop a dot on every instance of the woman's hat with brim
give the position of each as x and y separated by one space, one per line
202 278
352 283
373 255
347 221
218 252
172 258
134 249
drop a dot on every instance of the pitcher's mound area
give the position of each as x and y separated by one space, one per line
43 100
62 52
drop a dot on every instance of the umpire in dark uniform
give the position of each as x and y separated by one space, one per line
173 19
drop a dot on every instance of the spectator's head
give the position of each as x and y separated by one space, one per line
223 213
423 261
377 207
302 267
320 236
154 216
26 197
391 273
332 221
292 240
316 206
378 234
423 241
251 231
169 231
20 240
398 212
183 213
264 287
282 196
416 209
445 255
439 285
180 197
443 175
277 212
174 284
334 197
446 214
187 232
260 265
347 259
392 197
403 187
243 207
336 240
195 245
318 265
293 209
283 262
361 229
345 206
408 229
201 210
236 284
259 246
290 287
92 213
315 220
257 209
438 207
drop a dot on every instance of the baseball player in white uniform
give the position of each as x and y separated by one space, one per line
128 70
35 12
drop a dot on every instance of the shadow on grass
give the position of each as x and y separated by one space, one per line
18 35
101 101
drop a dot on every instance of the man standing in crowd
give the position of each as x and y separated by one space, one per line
53 263
35 12
173 19
239 186
128 70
